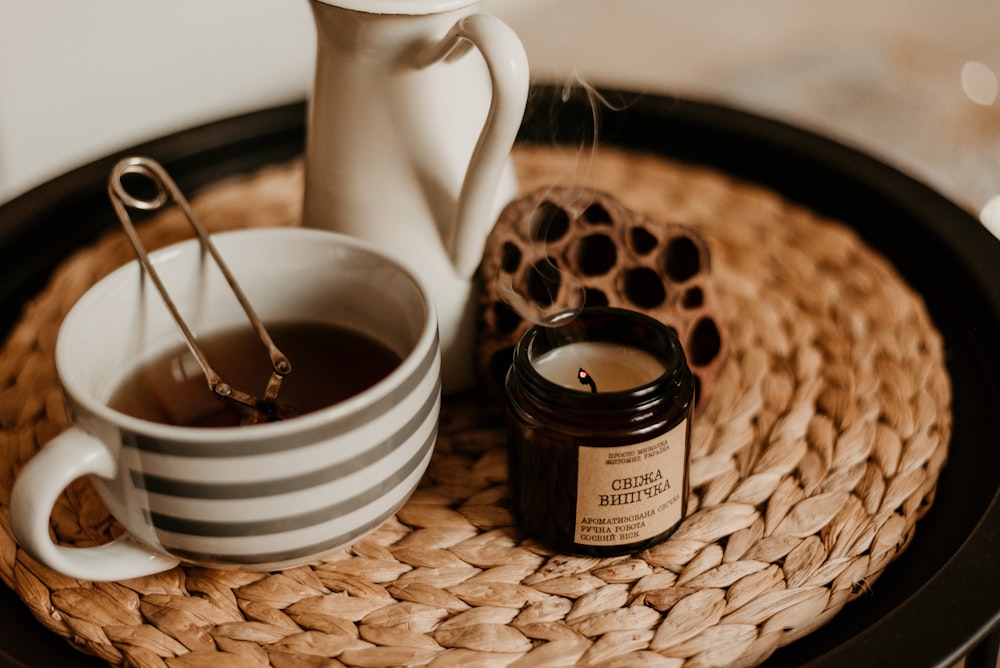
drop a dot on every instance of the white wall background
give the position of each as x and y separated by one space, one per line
79 80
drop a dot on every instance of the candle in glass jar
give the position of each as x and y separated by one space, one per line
600 472
614 367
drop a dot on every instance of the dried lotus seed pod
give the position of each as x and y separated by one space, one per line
559 244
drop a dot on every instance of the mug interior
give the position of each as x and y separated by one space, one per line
288 274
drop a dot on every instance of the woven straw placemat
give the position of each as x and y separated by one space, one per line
812 463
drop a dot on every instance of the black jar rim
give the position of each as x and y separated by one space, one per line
600 324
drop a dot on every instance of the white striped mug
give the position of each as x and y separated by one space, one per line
262 497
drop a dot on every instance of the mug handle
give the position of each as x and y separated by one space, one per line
71 455
508 67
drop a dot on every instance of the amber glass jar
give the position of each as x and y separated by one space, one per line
595 471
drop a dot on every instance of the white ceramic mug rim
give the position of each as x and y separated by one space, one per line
329 414
404 7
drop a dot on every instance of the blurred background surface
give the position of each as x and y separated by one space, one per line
913 82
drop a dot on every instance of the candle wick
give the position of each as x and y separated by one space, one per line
586 379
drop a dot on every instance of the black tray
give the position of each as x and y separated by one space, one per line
941 599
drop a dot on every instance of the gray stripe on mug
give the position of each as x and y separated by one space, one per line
285 442
316 550
249 490
182 525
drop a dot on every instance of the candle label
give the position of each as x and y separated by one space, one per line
630 493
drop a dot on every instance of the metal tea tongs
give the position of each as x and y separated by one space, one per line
265 408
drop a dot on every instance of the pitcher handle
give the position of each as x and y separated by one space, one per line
508 67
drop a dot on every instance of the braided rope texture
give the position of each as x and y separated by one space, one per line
814 460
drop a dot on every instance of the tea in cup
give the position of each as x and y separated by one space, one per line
180 468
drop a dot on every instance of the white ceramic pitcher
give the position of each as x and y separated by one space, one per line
409 136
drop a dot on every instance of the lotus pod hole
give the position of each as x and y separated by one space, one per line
682 259
643 242
544 280
510 258
595 214
594 255
548 222
644 288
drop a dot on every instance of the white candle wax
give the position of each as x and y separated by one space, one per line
613 366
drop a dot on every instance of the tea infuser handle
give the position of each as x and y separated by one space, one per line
166 190
71 455
508 67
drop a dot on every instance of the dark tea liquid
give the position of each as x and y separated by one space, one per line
329 364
